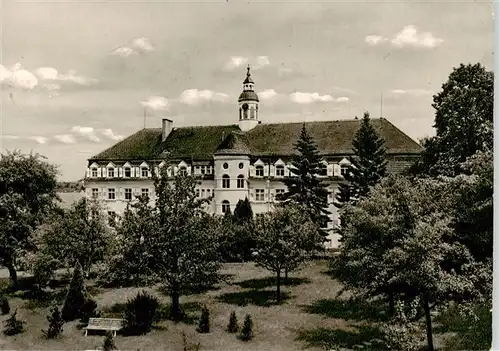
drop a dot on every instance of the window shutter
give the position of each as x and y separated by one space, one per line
271 170
137 172
336 170
132 172
266 170
252 171
99 172
120 172
287 171
188 170
87 172
329 170
252 194
104 193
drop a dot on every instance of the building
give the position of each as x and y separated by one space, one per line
248 159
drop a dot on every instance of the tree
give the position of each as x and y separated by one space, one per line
401 239
183 238
368 165
232 326
304 186
132 264
78 234
75 298
463 120
204 323
56 323
243 210
286 238
13 325
247 329
237 240
109 342
27 195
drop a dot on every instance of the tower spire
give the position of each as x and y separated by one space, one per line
248 70
248 104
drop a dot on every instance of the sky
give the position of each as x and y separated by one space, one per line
78 76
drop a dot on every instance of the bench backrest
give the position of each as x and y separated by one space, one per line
105 322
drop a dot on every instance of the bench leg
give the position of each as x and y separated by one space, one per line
86 330
114 333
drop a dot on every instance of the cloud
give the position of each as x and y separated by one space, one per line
195 96
342 99
374 39
410 92
108 133
18 77
156 103
263 61
39 139
409 36
86 132
267 94
235 62
51 74
9 137
136 46
308 98
65 138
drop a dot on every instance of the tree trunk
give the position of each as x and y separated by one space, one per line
13 276
428 321
175 310
278 286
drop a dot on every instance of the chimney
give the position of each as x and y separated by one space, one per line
166 128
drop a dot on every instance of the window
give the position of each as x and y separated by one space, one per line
209 192
127 172
145 192
280 171
202 192
259 171
128 194
225 165
111 172
240 182
95 193
226 207
182 171
322 169
240 166
111 194
226 181
259 194
144 172
279 193
203 169
94 172
197 192
344 169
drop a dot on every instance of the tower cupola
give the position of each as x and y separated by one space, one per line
248 104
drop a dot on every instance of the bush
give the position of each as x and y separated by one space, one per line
232 326
56 323
246 331
109 342
204 325
88 310
4 305
140 314
44 268
75 298
13 325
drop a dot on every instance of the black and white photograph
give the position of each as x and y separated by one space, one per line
247 175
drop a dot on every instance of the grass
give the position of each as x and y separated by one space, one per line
309 317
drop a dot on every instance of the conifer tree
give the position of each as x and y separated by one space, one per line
75 299
243 210
246 331
109 342
232 326
304 186
56 323
13 325
368 165
204 324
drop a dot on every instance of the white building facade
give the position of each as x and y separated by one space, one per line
233 162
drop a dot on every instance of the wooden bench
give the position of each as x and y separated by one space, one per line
108 324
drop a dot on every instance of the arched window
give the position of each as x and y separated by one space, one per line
127 172
344 169
322 168
240 182
226 207
182 171
226 182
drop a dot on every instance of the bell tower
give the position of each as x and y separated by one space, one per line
248 104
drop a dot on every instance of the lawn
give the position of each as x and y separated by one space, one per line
310 316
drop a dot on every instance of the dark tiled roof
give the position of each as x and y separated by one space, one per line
234 144
332 137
